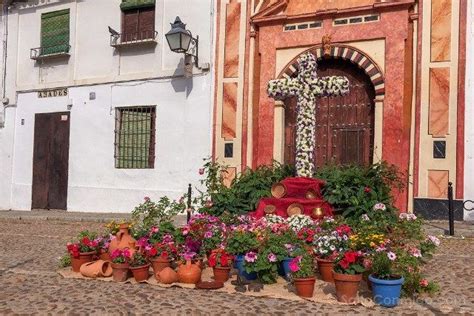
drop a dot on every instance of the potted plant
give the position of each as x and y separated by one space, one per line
162 253
386 282
103 246
82 251
327 246
302 273
347 274
120 264
220 262
242 243
139 267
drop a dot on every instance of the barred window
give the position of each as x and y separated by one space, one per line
135 137
55 32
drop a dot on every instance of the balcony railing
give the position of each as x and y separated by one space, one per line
50 51
126 39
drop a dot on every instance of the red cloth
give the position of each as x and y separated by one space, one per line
297 187
283 203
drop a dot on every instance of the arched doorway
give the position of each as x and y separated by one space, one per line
344 125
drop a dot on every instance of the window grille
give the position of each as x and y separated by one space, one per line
302 26
55 32
357 20
135 137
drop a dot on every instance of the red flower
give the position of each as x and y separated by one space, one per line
212 260
351 256
367 190
344 263
152 252
86 241
343 230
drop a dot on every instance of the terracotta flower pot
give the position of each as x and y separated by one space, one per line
141 273
94 269
167 276
120 271
104 256
221 274
347 286
84 257
304 286
325 268
159 264
189 273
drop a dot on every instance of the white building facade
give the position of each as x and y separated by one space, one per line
94 119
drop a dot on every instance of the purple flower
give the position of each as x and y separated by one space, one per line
189 255
208 234
167 238
271 257
250 256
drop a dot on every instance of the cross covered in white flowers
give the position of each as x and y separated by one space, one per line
306 87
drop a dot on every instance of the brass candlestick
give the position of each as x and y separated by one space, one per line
318 212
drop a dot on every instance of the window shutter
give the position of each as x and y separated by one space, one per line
130 26
135 4
55 32
146 23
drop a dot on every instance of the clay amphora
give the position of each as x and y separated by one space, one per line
84 257
94 269
123 240
167 276
189 273
120 271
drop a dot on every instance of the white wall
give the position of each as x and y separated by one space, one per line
184 106
469 115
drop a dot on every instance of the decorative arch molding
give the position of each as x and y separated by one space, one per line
346 52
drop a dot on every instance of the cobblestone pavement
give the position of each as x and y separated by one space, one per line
29 284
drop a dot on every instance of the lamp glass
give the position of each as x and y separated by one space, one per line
185 41
174 41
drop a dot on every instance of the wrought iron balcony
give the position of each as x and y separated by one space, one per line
50 52
129 39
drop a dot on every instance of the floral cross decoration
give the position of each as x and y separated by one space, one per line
306 87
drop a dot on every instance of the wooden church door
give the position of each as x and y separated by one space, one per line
344 125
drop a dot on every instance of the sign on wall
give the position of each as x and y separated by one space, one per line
62 92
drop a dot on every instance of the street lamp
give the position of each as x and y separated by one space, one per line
179 39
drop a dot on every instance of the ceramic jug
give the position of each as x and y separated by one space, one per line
123 240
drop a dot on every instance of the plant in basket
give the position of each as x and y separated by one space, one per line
302 273
264 264
83 250
220 261
347 274
139 266
120 264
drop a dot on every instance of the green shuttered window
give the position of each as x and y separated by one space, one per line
55 32
135 4
135 137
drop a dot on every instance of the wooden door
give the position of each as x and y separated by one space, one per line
344 125
50 161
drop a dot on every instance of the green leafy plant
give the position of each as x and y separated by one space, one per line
245 190
302 266
264 263
138 259
149 213
353 190
65 261
240 242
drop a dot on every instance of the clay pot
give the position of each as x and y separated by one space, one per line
94 269
159 264
167 276
221 274
304 287
141 273
84 257
123 240
325 268
189 273
347 286
120 271
104 256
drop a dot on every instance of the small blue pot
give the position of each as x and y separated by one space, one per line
284 268
386 292
239 265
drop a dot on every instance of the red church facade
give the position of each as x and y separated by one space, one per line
405 58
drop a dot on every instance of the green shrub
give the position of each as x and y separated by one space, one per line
354 190
65 261
245 191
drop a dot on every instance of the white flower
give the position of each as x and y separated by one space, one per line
365 217
380 207
391 255
434 240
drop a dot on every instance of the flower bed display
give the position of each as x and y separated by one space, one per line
273 249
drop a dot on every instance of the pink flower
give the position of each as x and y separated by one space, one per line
147 199
294 264
271 257
154 230
415 252
201 171
424 282
391 255
250 256
208 234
